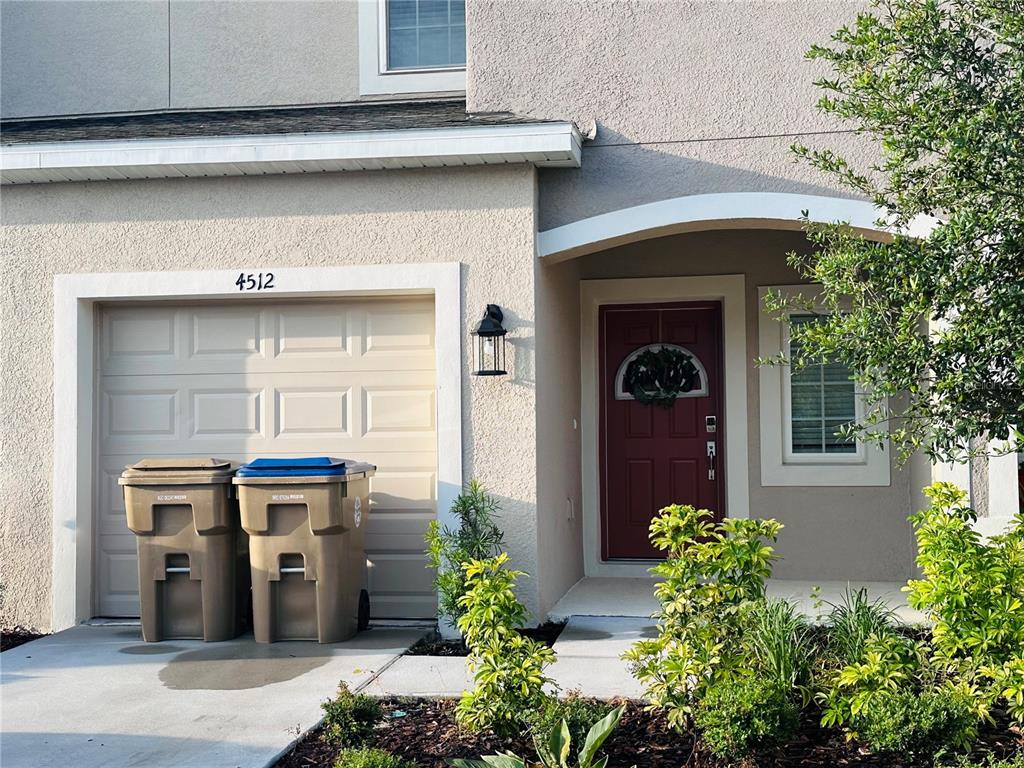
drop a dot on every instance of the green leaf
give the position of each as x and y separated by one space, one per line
597 735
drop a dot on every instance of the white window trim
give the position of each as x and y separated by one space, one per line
74 368
374 77
869 466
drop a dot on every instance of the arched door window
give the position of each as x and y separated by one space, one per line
661 373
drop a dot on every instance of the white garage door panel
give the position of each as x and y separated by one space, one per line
270 412
343 378
270 338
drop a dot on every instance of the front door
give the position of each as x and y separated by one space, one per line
660 431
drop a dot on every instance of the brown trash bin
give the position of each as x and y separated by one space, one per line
190 546
307 551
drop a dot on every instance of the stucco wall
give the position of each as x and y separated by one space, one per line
689 97
559 493
65 56
481 217
71 57
831 533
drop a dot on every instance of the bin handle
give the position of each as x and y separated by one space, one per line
292 570
178 569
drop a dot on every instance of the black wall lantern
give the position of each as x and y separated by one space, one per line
489 346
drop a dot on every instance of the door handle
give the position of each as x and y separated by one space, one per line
712 452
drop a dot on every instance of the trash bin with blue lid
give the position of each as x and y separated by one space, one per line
306 520
185 522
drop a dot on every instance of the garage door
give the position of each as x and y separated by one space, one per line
348 378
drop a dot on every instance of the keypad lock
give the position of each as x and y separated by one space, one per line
710 424
712 453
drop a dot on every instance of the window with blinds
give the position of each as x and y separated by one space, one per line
822 400
425 34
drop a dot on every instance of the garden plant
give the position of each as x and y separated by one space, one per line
448 550
369 757
349 718
508 668
554 750
713 576
739 667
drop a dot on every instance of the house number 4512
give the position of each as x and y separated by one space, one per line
258 282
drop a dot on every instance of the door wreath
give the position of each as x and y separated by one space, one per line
658 376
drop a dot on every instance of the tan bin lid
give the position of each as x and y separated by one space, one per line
177 471
185 464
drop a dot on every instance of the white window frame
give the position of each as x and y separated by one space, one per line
869 466
374 77
789 457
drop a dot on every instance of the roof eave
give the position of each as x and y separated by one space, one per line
555 144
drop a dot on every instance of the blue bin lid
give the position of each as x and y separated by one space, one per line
297 467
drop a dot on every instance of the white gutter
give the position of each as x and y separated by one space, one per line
543 144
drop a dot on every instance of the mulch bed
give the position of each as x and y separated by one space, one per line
434 645
424 730
12 637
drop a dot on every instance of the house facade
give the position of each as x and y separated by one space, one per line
241 229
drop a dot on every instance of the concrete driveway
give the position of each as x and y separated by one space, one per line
92 697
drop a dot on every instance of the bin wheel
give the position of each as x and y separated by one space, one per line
363 621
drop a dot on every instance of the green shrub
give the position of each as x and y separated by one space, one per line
555 747
477 538
889 663
578 712
713 576
973 593
508 668
371 758
1014 761
853 621
917 723
349 718
739 716
779 644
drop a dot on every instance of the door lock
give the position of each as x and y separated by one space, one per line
712 452
710 424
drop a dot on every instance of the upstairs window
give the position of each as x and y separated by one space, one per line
412 46
425 34
822 401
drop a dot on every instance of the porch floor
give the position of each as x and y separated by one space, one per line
631 597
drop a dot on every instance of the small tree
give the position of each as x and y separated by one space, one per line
938 85
477 538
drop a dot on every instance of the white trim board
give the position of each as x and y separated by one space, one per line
725 210
543 144
75 299
730 291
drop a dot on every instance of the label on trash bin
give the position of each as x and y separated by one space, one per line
172 497
287 497
358 516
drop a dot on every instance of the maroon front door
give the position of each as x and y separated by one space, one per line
652 455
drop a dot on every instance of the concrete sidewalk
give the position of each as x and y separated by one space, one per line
92 697
589 651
